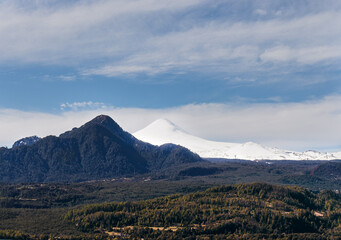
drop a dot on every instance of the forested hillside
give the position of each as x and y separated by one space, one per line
244 211
100 149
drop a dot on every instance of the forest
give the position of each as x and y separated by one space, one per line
241 211
128 207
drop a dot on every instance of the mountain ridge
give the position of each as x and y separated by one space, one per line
96 150
26 141
164 131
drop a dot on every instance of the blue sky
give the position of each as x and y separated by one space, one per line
70 57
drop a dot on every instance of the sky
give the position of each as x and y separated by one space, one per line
228 70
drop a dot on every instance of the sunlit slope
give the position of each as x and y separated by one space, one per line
164 131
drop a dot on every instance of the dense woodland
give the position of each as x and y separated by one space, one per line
38 210
244 210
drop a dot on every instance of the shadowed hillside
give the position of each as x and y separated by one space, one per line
99 149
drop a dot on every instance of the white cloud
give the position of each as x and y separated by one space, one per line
302 55
236 47
151 36
67 78
280 53
261 12
117 70
294 126
76 106
36 32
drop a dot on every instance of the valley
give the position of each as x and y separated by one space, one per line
61 188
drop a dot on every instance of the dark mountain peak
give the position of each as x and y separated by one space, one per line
101 121
106 122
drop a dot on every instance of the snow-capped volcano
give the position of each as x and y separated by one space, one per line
164 131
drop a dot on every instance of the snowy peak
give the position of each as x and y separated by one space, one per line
250 144
164 131
163 125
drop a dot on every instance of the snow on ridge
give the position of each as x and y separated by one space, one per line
164 131
337 155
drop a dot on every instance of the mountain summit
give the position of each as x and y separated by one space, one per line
164 124
164 131
98 149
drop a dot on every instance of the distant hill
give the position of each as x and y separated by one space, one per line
98 149
329 170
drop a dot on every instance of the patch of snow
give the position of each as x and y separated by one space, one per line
337 155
